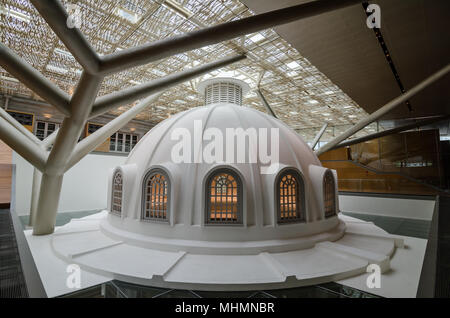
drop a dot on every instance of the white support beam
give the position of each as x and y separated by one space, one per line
384 109
4 114
37 176
319 135
29 150
110 101
34 80
156 50
78 108
265 103
50 140
92 141
51 182
56 16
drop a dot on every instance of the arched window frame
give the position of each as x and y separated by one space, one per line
240 206
114 211
301 197
331 191
148 176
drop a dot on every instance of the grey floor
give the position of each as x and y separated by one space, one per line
62 218
395 225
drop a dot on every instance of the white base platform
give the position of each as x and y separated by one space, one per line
345 260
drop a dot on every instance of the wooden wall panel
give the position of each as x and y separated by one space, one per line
398 157
5 153
5 173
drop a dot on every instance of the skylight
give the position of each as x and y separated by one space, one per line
257 37
293 65
10 79
57 69
127 14
291 83
64 53
14 13
178 8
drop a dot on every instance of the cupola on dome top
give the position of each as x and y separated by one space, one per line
223 89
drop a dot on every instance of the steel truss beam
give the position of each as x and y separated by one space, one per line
416 124
92 141
22 145
147 53
34 80
79 107
265 103
384 109
110 101
319 135
56 16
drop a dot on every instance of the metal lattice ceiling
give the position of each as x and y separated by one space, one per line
299 94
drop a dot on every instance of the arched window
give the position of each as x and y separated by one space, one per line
156 196
329 194
290 197
223 198
116 198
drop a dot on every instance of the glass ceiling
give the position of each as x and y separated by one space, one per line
299 94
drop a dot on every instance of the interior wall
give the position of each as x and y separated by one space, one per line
84 185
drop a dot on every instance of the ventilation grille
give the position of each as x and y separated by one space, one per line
12 282
223 92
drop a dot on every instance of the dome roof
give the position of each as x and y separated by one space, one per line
187 181
156 146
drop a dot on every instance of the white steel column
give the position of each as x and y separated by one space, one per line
71 129
37 176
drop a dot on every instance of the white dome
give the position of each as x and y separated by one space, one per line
187 195
170 232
